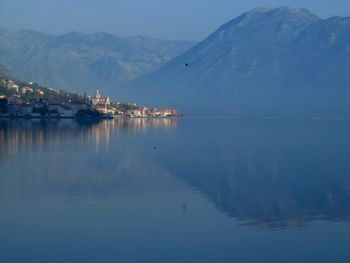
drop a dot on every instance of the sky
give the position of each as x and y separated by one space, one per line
163 19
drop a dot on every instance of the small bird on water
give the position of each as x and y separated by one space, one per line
184 208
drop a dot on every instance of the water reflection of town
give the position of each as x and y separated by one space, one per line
32 134
79 158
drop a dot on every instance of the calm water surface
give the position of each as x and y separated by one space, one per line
191 190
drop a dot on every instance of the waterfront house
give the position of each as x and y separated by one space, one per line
15 99
77 106
20 110
61 110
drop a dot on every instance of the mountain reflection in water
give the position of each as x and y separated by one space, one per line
264 173
268 173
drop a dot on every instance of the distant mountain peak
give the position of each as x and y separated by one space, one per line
281 20
263 14
283 10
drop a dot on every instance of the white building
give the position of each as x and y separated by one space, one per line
25 90
39 91
14 87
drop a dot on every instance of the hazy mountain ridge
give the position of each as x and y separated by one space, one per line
266 62
84 62
5 73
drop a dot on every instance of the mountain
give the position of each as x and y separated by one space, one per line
281 62
5 73
84 62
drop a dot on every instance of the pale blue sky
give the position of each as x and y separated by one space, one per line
165 19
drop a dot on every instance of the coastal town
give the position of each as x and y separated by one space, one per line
29 100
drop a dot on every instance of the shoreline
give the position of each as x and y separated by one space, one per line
86 118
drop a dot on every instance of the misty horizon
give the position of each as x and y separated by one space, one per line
191 21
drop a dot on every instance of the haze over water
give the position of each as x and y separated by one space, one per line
168 190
